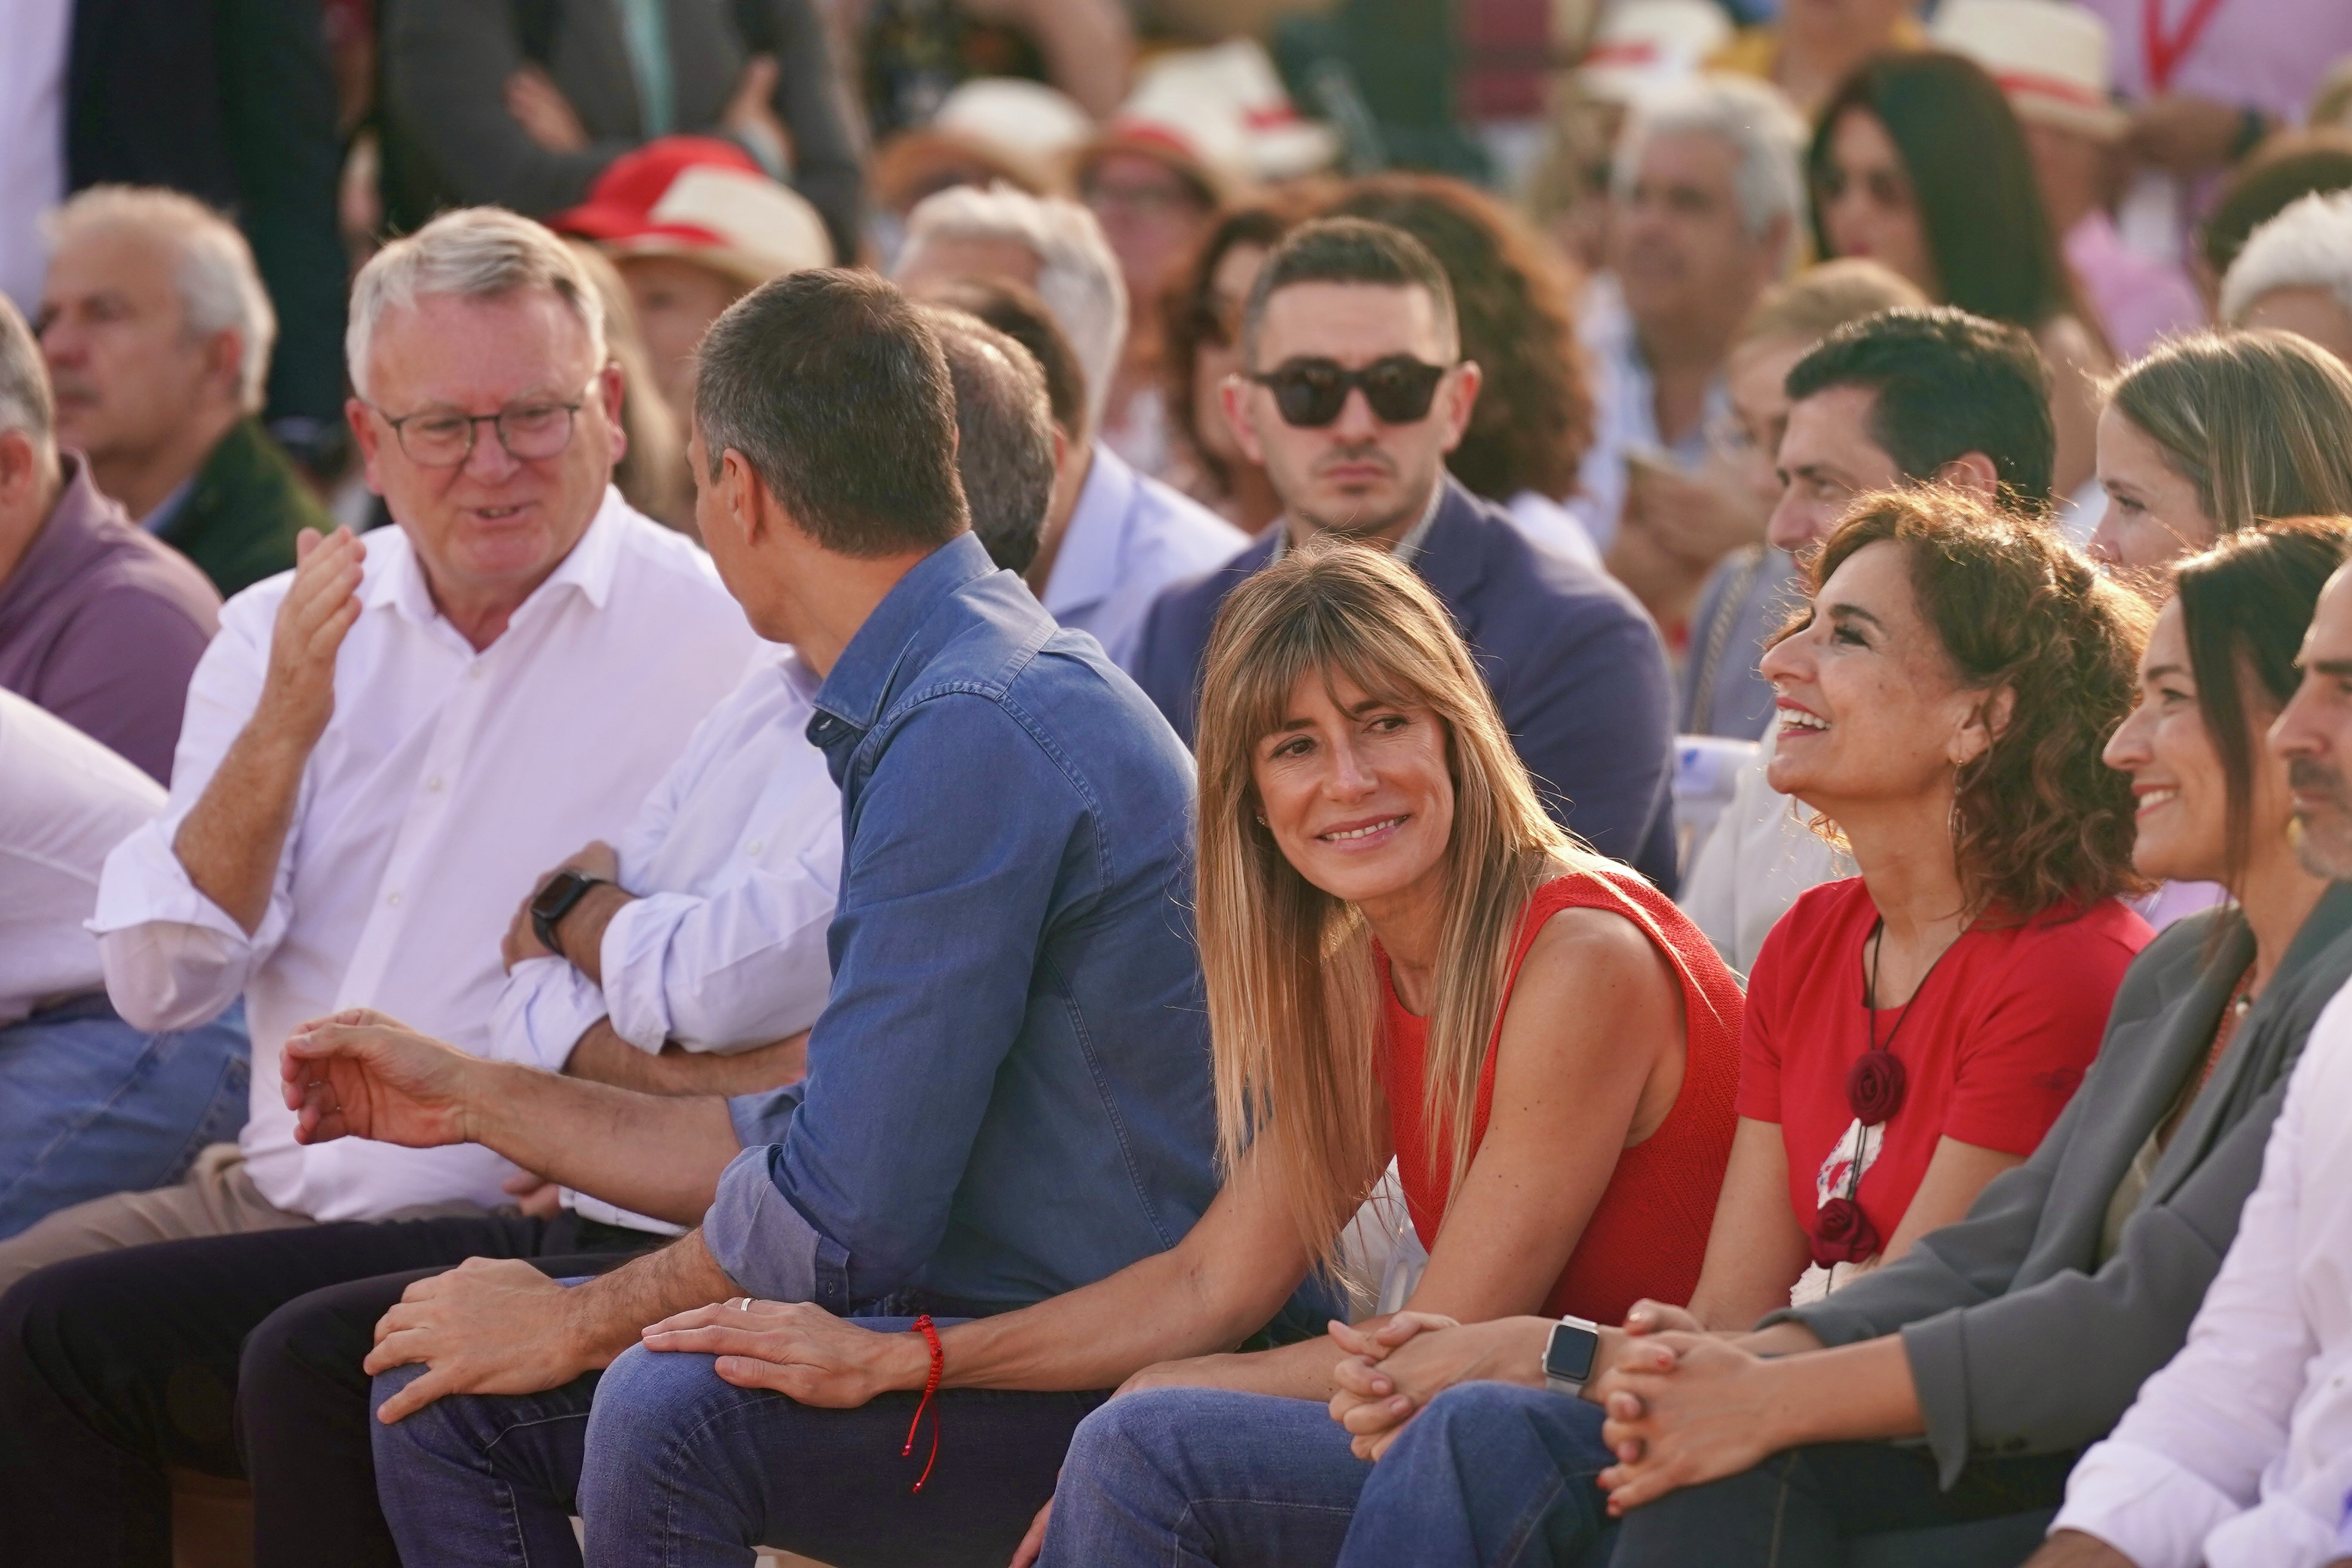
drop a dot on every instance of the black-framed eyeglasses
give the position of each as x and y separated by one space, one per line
1310 393
444 438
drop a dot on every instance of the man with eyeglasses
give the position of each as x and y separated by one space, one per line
384 749
1352 393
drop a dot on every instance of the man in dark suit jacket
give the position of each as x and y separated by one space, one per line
1355 395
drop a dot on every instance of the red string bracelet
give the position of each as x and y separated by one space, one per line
930 1387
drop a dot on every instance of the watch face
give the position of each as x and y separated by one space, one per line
556 897
1570 1352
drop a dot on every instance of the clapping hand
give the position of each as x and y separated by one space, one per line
298 692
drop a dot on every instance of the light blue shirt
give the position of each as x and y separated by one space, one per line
1128 537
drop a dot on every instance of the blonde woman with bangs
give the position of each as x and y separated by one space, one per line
1404 957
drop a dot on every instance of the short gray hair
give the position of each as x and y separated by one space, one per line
2307 246
1004 434
25 401
220 287
472 253
1077 277
1767 135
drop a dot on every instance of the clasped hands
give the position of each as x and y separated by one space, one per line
1682 1406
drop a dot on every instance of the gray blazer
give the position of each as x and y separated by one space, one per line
2017 1345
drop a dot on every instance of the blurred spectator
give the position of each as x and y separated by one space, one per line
232 103
914 53
1754 589
989 130
693 226
1817 44
524 105
2295 275
1919 162
158 334
2285 169
2052 61
1115 537
2212 433
1203 347
2331 105
2207 81
1707 200
651 475
98 624
1006 440
89 1104
1533 421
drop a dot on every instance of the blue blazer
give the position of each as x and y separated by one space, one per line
1573 660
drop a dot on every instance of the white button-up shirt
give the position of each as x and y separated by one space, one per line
1130 537
2239 1453
65 801
445 783
737 859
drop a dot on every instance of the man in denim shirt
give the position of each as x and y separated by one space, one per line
1008 1092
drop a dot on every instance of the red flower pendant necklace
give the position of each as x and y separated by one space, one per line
1874 1091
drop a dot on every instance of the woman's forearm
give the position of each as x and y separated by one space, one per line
1300 1371
1853 1393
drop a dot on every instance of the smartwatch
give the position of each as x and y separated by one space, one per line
555 900
1570 1353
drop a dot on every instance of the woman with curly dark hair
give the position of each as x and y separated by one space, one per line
1913 1031
1200 340
1534 416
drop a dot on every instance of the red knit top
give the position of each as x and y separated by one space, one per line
1647 1236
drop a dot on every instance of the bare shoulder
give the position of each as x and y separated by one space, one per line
1599 960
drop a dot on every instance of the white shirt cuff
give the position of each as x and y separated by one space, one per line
542 1010
144 883
2143 1504
635 956
2279 1533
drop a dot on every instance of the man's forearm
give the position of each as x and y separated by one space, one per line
230 840
660 1155
606 1316
601 1056
581 931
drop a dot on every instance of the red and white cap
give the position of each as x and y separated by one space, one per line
701 200
2049 57
1645 45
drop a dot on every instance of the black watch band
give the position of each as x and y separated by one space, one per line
555 900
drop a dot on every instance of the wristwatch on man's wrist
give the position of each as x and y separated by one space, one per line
1568 1355
555 900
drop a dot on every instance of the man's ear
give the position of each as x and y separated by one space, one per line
612 392
1773 248
20 467
364 431
1973 473
1462 397
1232 396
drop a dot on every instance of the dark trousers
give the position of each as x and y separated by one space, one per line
1848 1503
235 1356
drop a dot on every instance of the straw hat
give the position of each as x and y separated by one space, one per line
1219 115
2051 60
989 128
702 200
1645 45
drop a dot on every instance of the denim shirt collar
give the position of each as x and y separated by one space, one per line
858 687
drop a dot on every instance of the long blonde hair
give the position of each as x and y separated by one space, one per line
1293 1006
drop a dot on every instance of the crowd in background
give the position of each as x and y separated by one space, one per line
1391 645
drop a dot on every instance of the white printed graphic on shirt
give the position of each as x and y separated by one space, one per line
1837 1171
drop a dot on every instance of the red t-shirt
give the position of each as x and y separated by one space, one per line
1997 1040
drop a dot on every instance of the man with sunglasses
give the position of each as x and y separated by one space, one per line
384 750
1352 393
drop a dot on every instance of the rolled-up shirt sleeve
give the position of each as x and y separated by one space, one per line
175 959
942 914
542 1010
725 973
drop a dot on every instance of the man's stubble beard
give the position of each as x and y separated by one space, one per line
2322 839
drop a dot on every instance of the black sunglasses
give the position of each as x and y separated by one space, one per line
1309 392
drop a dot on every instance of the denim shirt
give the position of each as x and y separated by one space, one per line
1008 1093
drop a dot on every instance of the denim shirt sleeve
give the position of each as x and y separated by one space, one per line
958 844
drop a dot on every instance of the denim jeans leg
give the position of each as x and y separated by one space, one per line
686 1470
92 1106
483 1480
1195 1476
1491 1474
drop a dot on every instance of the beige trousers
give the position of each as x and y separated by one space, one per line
215 1199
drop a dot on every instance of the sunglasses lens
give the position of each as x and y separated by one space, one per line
1400 390
1309 397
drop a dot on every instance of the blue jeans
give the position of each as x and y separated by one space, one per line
90 1106
1488 1474
670 1466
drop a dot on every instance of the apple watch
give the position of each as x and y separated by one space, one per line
555 900
1570 1353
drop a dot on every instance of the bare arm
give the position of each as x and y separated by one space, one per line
1956 1173
230 840
602 1057
361 1075
1756 1249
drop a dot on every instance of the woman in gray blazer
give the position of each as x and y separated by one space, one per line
2003 1345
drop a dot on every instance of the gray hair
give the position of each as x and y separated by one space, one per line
1767 134
220 286
472 253
1005 435
25 401
1077 277
2307 246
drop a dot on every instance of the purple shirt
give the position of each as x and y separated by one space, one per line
2266 54
102 625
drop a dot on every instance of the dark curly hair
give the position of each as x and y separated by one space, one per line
2038 818
1533 420
1190 316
